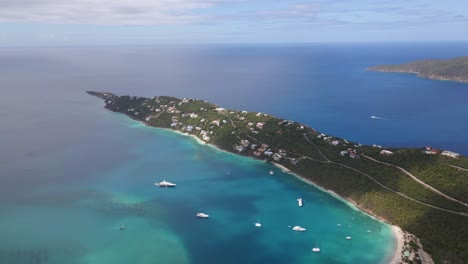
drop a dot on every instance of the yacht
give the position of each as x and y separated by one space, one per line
202 215
316 249
299 201
271 172
299 229
348 238
165 184
258 224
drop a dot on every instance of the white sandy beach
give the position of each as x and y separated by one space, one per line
399 241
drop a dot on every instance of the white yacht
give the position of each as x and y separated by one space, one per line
165 184
258 224
271 172
316 249
299 229
202 215
348 238
299 201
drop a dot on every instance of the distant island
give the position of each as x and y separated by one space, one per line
422 190
455 69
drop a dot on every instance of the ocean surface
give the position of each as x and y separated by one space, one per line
72 173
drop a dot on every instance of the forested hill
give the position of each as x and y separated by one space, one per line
422 190
455 69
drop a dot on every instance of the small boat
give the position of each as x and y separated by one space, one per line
202 215
338 224
299 201
348 238
271 172
316 248
165 184
122 228
258 224
368 231
299 229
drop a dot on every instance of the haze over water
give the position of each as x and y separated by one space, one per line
72 173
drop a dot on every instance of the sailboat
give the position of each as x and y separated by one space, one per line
271 172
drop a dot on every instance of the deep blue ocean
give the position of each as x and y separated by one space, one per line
72 173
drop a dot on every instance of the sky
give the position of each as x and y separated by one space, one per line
141 22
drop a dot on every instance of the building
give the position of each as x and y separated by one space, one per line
450 154
385 152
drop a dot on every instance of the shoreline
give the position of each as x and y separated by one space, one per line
396 230
398 233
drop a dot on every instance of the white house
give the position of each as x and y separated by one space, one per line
386 152
450 154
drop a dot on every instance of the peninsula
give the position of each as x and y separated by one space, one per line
455 69
421 190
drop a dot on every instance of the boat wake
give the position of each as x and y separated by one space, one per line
378 117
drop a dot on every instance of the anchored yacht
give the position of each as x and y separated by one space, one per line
202 215
299 201
299 229
165 184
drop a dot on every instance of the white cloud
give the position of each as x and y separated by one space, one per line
123 12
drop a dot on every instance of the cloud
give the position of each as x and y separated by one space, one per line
112 12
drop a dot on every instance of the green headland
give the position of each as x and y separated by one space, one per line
422 190
455 69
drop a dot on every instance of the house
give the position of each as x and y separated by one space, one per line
250 124
239 148
334 143
268 153
260 125
385 152
215 122
189 128
193 115
450 154
343 153
277 157
220 109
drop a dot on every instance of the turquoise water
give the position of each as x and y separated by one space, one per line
73 213
72 173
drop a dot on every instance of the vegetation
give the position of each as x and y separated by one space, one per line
362 174
455 69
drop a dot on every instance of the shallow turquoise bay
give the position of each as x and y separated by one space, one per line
86 191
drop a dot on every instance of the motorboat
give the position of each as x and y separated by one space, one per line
338 224
316 249
202 215
299 229
299 201
271 172
165 184
258 224
348 238
122 228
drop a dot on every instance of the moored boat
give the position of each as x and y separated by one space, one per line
165 184
299 229
299 201
202 215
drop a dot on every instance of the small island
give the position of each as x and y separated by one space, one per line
455 69
422 190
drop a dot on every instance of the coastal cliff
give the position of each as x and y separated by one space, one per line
455 69
421 190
